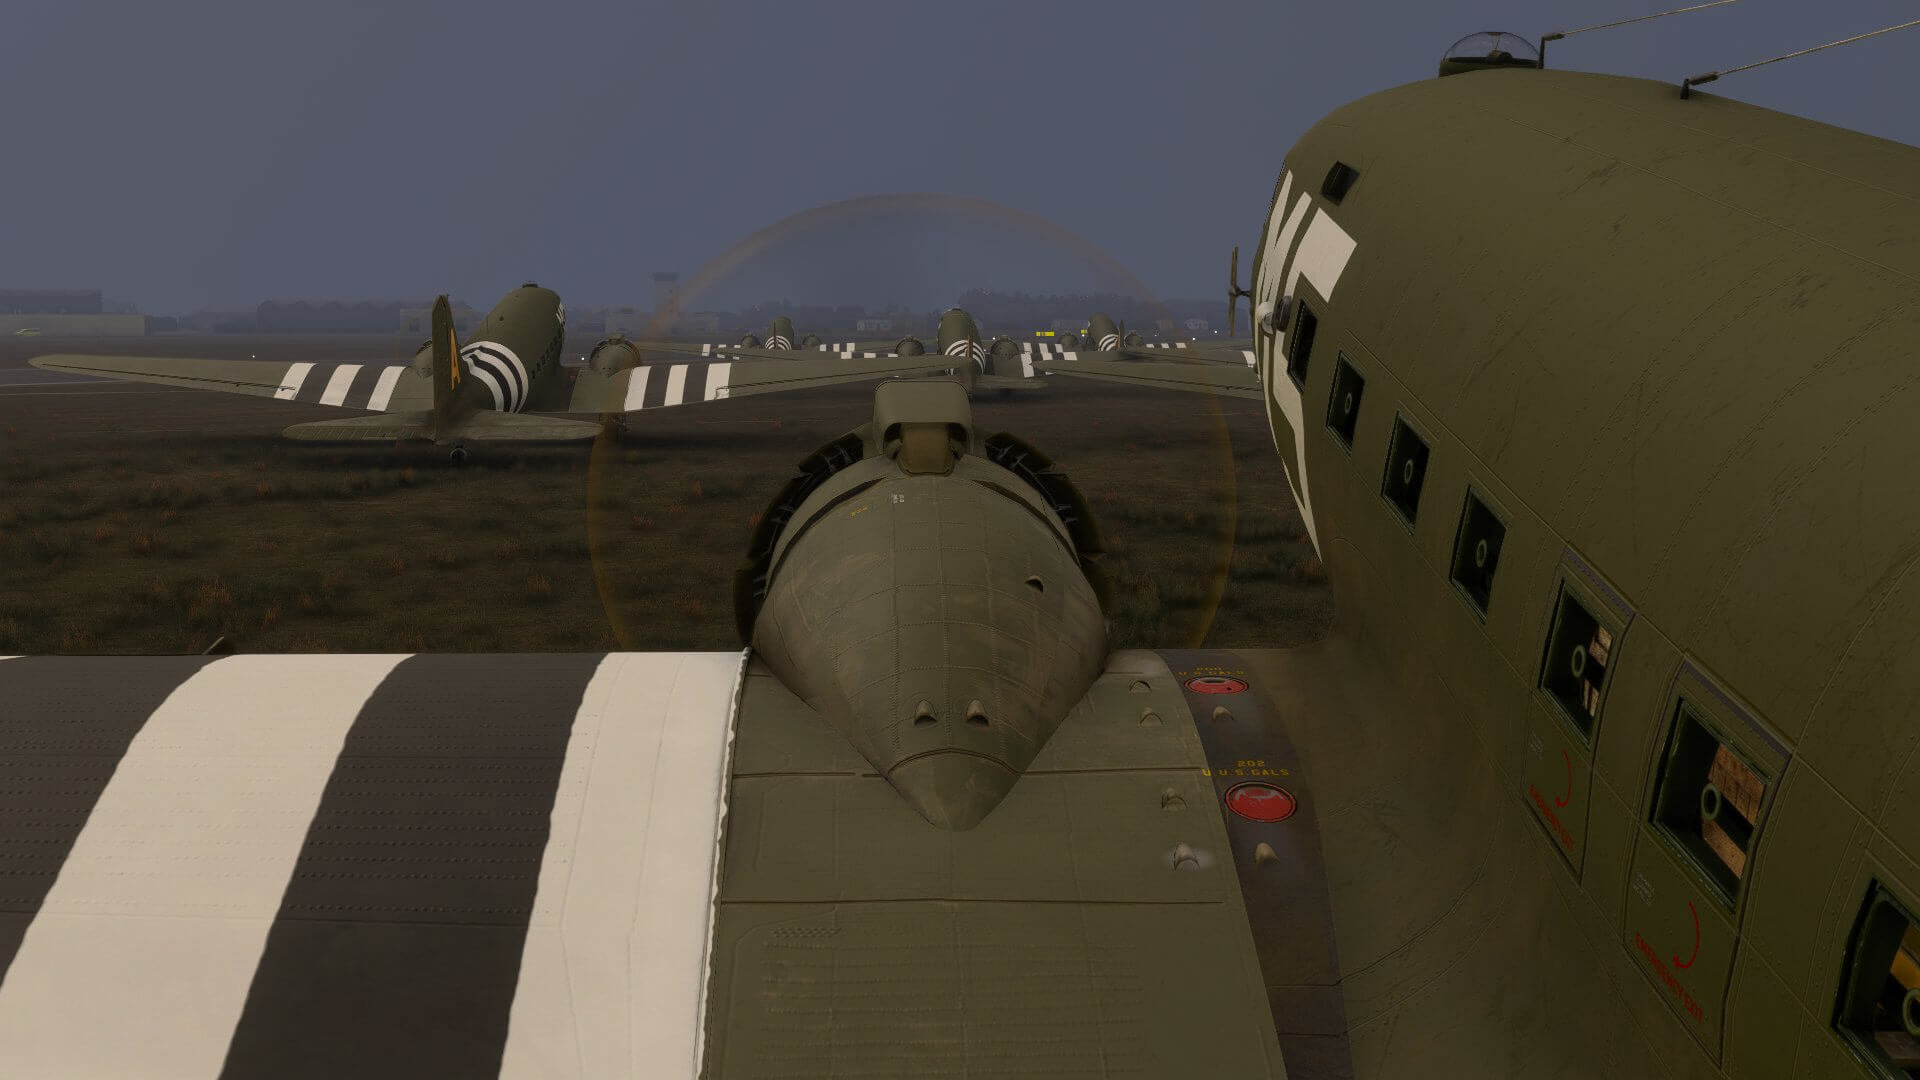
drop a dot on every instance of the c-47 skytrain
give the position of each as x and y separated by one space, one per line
1597 401
507 383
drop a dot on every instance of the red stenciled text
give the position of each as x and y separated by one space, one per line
1552 819
1679 992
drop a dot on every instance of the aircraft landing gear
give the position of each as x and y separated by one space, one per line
458 455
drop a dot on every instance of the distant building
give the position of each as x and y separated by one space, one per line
874 326
1198 326
419 320
694 324
63 325
665 285
50 302
634 324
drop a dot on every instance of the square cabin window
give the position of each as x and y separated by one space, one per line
1406 470
1476 551
1709 801
1300 347
1879 1007
1575 669
1343 407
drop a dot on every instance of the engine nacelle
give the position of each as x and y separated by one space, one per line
615 354
811 341
750 341
1068 340
1133 338
910 346
1003 356
423 359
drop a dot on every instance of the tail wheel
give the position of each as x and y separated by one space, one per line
458 455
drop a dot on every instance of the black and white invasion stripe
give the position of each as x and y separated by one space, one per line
350 386
779 341
967 347
359 865
500 371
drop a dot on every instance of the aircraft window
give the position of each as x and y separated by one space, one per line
1575 669
1879 1010
1476 551
1300 349
1343 408
1709 801
1339 179
1406 470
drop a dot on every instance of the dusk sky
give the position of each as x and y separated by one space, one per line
210 153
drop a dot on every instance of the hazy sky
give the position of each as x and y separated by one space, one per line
215 153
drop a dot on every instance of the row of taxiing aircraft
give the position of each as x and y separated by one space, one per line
508 382
1597 400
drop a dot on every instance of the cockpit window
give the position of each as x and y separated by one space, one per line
1879 1007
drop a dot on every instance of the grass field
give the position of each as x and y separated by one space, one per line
142 519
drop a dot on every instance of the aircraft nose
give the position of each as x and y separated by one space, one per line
955 789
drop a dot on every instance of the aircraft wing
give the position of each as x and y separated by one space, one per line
607 865
1200 376
654 386
347 385
861 349
1215 351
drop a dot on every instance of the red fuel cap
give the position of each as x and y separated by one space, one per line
1215 684
1256 801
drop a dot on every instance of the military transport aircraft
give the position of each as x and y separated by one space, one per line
1608 767
1001 363
507 384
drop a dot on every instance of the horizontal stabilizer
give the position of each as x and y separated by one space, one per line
1007 382
383 427
479 427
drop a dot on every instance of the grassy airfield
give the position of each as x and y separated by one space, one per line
140 519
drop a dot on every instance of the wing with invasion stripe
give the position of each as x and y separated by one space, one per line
360 385
1215 352
1199 376
655 386
845 349
368 865
603 865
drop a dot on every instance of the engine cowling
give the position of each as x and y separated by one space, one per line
811 341
1069 340
613 355
910 346
1133 338
1003 356
750 341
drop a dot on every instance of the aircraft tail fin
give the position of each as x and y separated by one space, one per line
446 364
